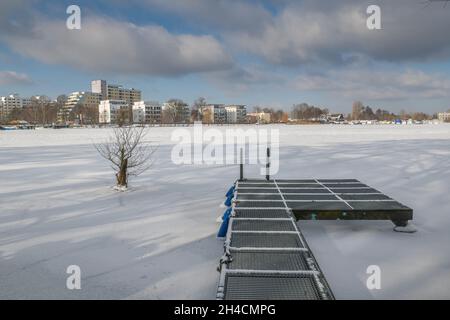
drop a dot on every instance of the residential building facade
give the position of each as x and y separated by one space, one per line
444 116
115 92
86 100
113 111
146 112
27 102
35 100
8 104
213 113
223 114
236 113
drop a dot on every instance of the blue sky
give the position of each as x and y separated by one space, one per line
270 53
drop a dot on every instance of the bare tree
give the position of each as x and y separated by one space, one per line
303 111
175 111
357 109
127 152
196 113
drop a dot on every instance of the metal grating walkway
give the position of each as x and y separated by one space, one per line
267 287
266 256
322 199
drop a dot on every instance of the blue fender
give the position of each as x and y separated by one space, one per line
226 213
224 226
228 201
230 192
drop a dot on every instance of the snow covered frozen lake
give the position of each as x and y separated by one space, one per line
158 240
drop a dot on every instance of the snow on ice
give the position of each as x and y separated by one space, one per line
158 239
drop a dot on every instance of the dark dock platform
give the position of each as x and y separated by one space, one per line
266 255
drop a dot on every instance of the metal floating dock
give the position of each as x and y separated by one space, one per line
266 255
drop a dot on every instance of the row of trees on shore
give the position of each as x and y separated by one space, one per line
46 112
361 112
304 111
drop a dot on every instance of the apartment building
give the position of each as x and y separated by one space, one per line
146 112
8 104
236 113
213 113
113 111
27 102
87 100
115 92
444 116
221 114
35 100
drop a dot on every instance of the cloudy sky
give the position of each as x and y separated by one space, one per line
270 53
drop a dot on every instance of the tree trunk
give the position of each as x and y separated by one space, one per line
122 174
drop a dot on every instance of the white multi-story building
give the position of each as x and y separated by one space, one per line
8 104
235 113
27 102
88 100
231 115
146 112
444 116
214 113
110 111
100 86
35 100
40 99
138 112
220 113
115 92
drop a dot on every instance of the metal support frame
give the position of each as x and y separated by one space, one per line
241 167
313 268
293 209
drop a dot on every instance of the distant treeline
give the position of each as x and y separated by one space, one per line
304 111
361 112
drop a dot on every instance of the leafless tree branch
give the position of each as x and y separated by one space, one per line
128 152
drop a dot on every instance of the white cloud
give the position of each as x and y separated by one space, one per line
315 32
239 80
113 46
220 14
377 85
304 35
12 77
